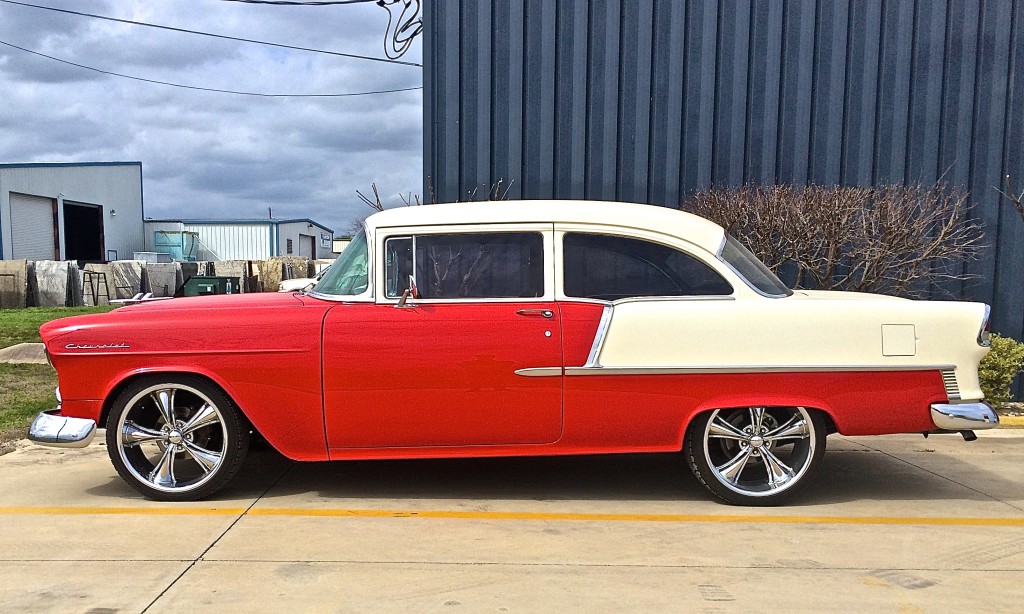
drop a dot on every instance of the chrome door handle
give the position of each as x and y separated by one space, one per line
546 313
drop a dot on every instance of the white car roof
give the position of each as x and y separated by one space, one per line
689 227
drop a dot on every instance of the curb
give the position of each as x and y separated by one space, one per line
1012 422
24 353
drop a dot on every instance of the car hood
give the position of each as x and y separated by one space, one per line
187 308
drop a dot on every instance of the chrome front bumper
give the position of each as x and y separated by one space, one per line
964 416
61 431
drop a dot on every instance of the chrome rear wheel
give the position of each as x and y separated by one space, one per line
755 455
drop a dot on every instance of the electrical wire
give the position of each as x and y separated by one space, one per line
292 3
211 89
212 35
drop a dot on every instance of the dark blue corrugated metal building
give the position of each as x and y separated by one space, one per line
648 100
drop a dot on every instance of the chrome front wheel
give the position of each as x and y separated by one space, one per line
175 439
755 455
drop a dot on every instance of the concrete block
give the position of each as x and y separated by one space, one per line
13 283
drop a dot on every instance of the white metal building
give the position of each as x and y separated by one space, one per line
71 211
249 239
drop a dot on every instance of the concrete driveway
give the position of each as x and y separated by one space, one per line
895 524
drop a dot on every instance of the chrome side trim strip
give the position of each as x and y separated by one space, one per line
666 299
599 370
602 331
61 431
964 416
949 382
540 372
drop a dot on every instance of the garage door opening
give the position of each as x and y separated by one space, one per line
83 232
307 246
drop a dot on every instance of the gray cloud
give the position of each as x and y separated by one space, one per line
216 155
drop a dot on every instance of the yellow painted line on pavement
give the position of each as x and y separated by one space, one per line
543 516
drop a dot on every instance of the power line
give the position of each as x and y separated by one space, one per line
292 3
212 35
211 89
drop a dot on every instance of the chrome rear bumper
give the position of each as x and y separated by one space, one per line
61 431
964 416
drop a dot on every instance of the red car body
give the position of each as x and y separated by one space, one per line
327 381
517 330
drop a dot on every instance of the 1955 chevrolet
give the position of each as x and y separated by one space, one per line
518 329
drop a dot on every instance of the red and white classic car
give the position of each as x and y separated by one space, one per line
518 329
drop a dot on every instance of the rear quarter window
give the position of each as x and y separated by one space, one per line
607 267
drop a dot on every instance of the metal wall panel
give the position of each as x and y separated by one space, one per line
649 100
235 241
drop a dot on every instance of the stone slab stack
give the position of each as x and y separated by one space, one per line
271 272
164 277
129 277
14 276
97 284
51 283
297 268
234 268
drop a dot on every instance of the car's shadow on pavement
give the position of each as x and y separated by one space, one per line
845 476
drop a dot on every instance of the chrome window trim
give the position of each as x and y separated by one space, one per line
545 229
366 296
695 297
742 277
673 242
388 239
599 337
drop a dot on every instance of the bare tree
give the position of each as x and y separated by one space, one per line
893 239
1016 198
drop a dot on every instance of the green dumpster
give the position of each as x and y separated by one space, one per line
204 285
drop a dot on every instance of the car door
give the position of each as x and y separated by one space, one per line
439 367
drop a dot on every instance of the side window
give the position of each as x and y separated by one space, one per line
608 268
471 265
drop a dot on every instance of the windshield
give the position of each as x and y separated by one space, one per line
752 270
349 275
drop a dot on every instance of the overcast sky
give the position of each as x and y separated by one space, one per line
208 154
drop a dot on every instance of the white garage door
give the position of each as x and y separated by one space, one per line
307 246
32 224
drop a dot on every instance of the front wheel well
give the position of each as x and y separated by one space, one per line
108 402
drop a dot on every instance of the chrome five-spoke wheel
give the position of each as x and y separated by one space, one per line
175 439
755 455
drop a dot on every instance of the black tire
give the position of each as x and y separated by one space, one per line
786 445
176 437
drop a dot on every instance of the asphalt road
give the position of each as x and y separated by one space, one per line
894 524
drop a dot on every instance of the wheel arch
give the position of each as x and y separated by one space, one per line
808 402
130 377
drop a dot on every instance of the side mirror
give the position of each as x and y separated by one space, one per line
410 292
